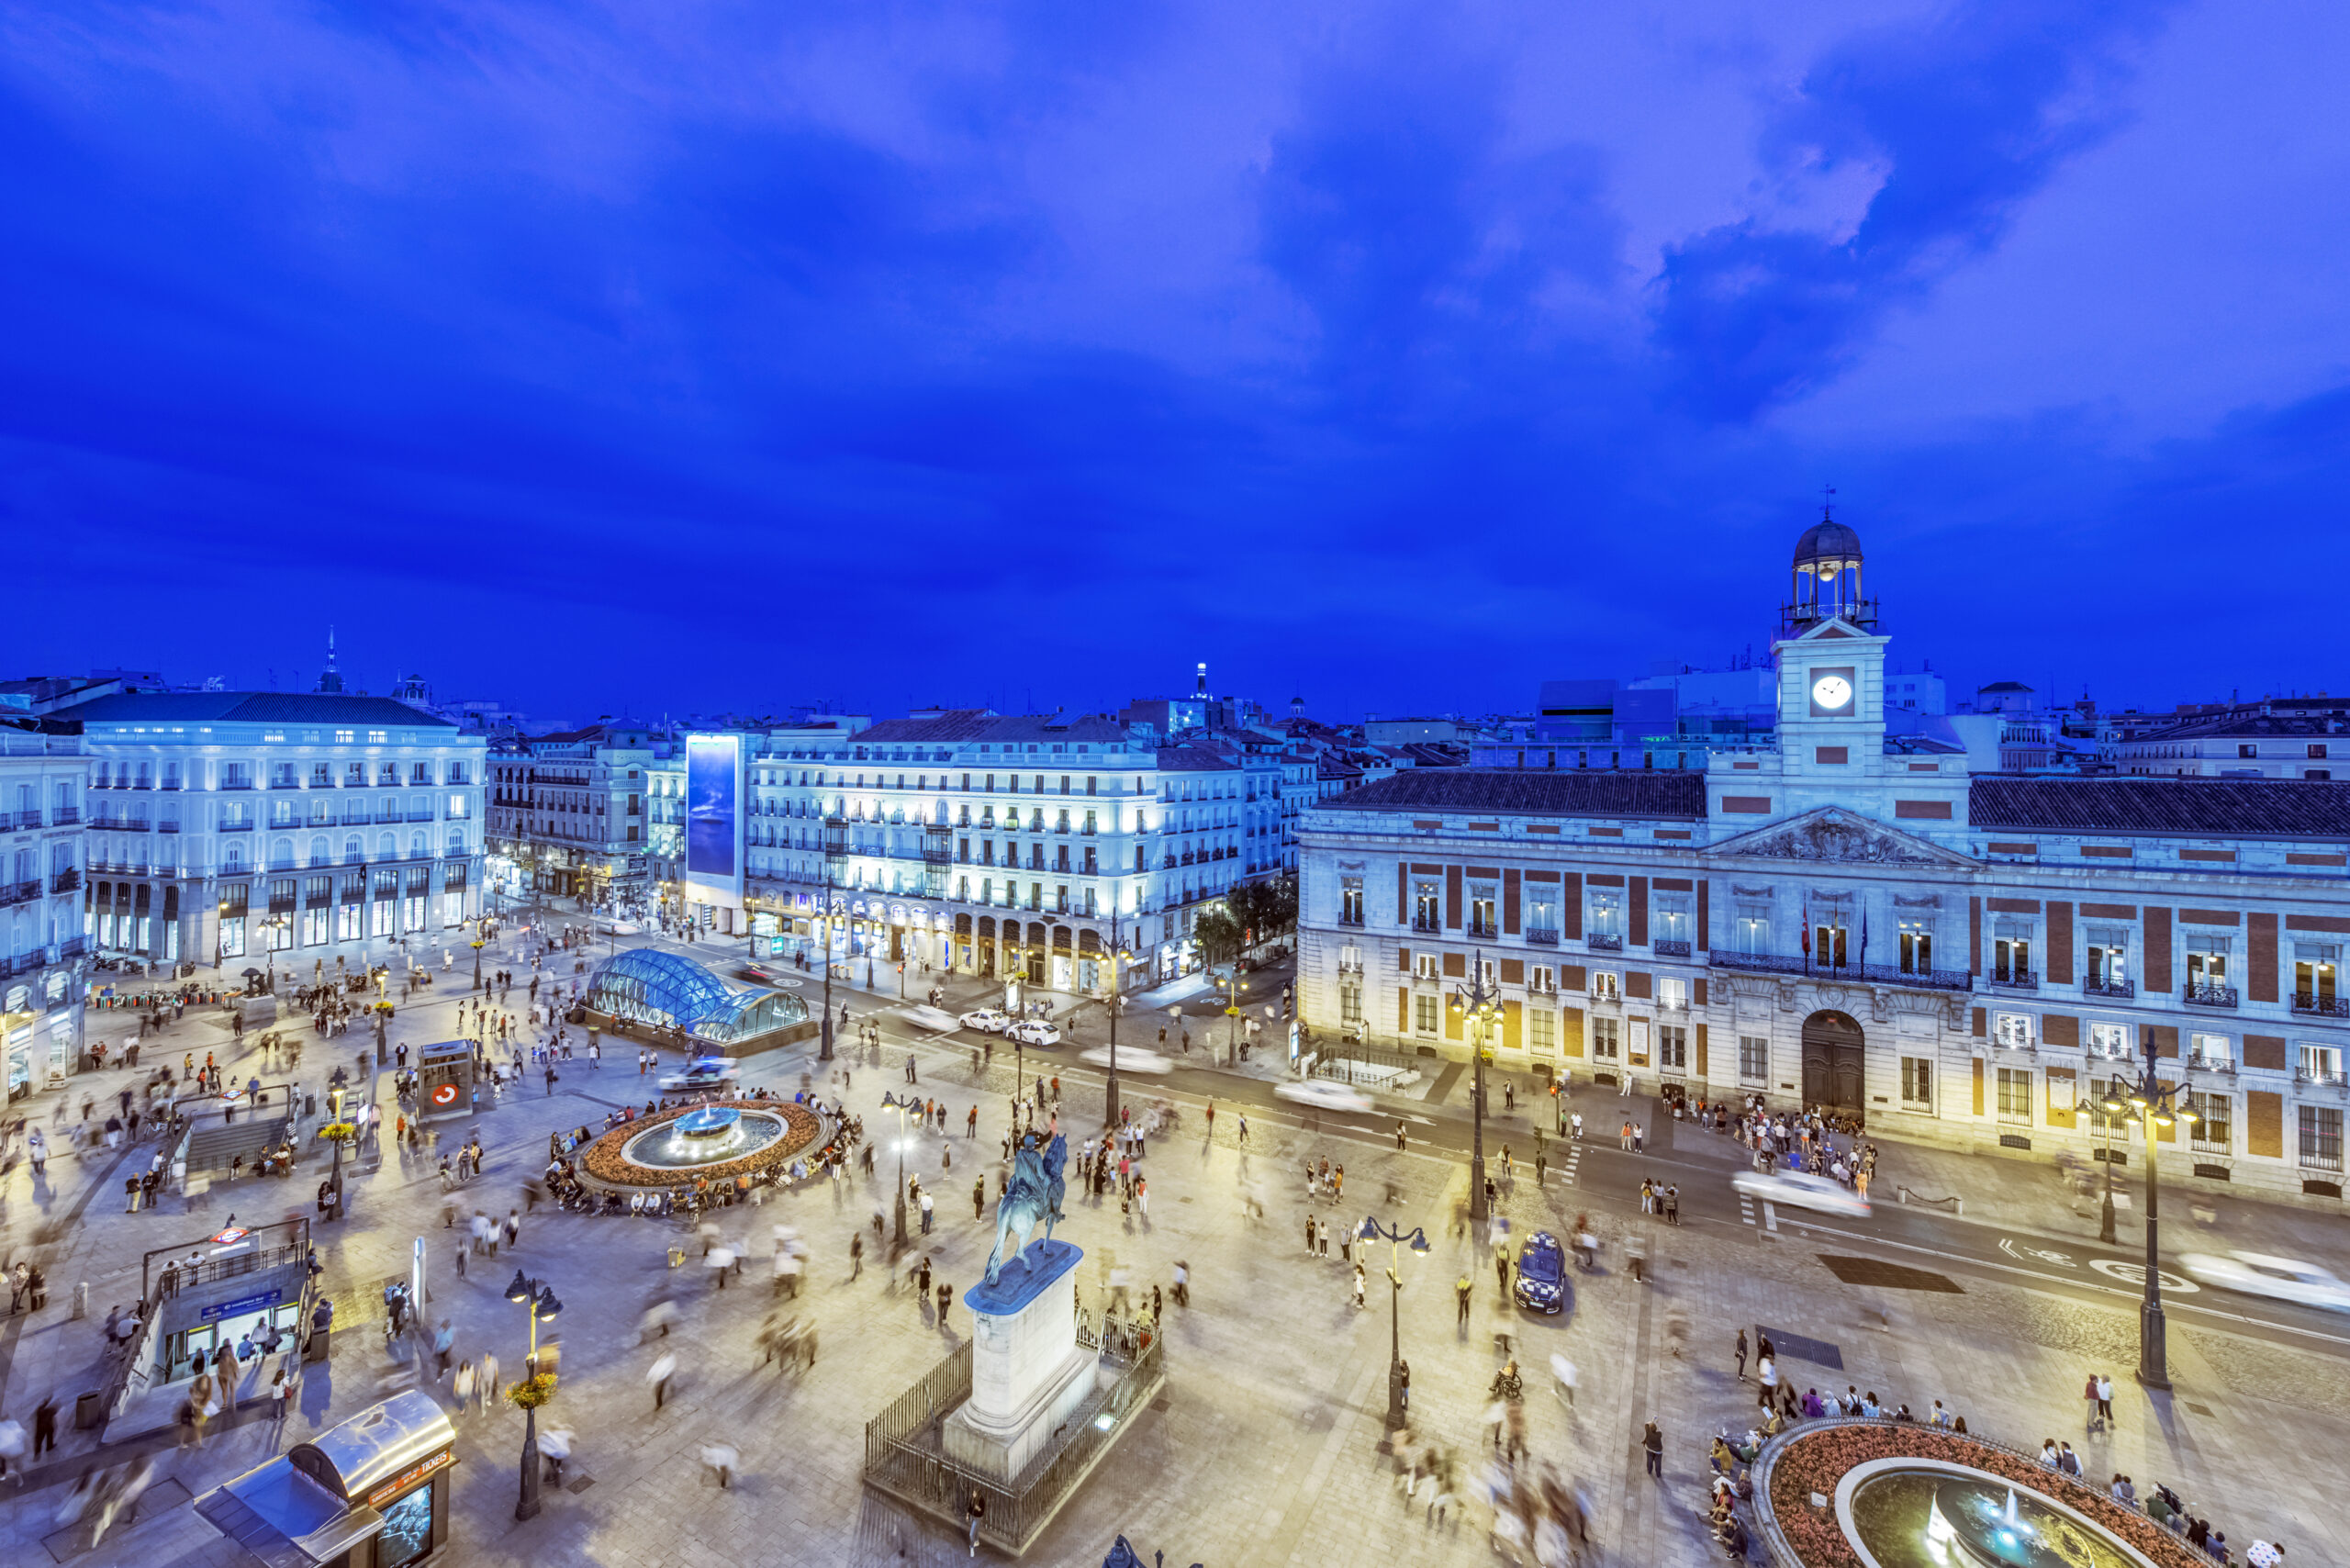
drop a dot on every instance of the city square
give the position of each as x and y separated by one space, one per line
1188 786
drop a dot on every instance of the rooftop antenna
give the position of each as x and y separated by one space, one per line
1827 502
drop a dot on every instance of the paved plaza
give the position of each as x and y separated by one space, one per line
1267 1445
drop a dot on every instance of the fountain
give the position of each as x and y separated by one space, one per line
722 1139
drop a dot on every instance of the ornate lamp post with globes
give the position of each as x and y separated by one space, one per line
2153 1105
1479 1006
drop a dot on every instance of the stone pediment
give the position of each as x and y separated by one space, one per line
1836 836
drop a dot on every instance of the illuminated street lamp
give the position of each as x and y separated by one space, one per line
835 851
1374 1231
1479 1006
538 1297
2153 1104
1118 998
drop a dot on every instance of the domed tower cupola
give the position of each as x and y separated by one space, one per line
1827 579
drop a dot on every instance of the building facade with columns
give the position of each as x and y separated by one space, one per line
301 832
1839 919
571 813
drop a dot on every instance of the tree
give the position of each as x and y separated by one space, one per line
1218 930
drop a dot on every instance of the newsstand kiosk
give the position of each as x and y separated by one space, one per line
373 1493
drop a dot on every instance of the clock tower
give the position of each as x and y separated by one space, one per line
1830 720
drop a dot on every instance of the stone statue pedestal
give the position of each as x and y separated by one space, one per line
1028 1373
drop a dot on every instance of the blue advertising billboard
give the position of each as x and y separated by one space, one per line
713 818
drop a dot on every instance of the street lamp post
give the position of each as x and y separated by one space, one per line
2154 1104
538 1297
1374 1231
1479 1007
477 945
1116 996
273 924
334 1175
893 1102
2105 1221
835 851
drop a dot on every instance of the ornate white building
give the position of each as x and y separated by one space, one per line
1843 919
292 830
43 966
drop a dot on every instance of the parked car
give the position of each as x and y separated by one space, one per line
2258 1273
703 1072
1035 1032
1541 1275
1801 1190
987 1020
1326 1094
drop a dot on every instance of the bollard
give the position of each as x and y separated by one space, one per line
81 1301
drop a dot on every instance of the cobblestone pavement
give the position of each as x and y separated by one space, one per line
1265 1449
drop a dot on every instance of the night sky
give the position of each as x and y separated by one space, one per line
678 357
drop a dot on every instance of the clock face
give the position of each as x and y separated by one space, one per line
1830 693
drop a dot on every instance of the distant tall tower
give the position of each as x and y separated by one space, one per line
1297 707
1200 688
330 679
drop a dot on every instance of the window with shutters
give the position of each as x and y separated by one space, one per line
2110 1040
2107 973
1753 1058
1424 965
1428 907
2211 1052
2321 1137
2011 953
1424 1015
1606 985
2015 1094
1350 1001
1670 925
1351 900
2318 1064
1672 1047
1672 994
1542 1031
2314 969
2215 1129
2012 1030
2207 969
1750 930
1916 948
1606 1039
1604 928
1918 1082
1484 906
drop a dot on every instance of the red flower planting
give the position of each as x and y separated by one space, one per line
605 1162
1819 1457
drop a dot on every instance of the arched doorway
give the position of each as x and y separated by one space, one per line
1834 1049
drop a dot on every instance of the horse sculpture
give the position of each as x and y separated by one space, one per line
1032 1197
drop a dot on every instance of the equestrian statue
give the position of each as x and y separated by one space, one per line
1032 1196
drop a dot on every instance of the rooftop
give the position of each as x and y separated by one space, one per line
2219 807
254 708
1659 793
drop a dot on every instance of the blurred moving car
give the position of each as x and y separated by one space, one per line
703 1072
1801 1190
2259 1273
1541 1275
987 1020
1130 1059
1326 1094
1035 1032
619 928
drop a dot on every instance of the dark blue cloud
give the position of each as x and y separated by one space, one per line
1967 117
730 358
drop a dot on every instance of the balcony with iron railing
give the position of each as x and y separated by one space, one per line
2013 979
1879 974
1604 941
68 816
2321 1005
1671 947
1542 936
2210 1061
20 893
2204 993
1485 930
2306 1078
2098 985
1428 924
65 881
235 827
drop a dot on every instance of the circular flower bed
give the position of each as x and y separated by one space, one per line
605 1161
1816 1457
